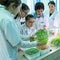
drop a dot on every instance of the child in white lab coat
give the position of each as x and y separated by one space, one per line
41 19
51 14
28 28
21 15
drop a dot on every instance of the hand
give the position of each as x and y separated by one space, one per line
31 38
39 44
45 27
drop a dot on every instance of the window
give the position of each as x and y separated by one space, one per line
31 4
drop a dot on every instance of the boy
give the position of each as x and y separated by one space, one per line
28 28
41 20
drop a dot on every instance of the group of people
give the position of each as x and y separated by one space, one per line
13 35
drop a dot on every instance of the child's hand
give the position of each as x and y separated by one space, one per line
31 38
39 44
45 27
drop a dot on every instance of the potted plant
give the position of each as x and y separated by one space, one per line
42 36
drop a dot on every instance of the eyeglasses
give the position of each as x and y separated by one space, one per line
26 11
31 22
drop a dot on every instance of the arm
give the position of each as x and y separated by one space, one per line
13 37
27 44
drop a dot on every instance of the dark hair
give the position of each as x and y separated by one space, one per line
24 7
51 2
39 5
29 16
8 2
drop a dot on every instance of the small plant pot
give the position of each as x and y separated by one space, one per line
42 47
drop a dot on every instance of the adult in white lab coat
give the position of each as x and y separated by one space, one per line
41 19
51 14
9 29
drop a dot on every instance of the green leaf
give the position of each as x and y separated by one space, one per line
42 36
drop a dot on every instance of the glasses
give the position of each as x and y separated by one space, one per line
25 13
31 22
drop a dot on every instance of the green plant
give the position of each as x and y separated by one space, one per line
56 41
32 51
42 36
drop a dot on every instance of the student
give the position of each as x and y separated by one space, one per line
52 9
22 14
41 20
28 28
9 29
51 14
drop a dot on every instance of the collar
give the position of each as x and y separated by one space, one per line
1 6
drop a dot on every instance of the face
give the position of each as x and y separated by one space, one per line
23 14
30 22
13 9
52 8
39 12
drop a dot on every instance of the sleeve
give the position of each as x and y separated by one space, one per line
57 20
12 33
46 21
37 25
24 37
13 36
27 44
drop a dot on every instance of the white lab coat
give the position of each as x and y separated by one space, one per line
24 30
51 18
27 31
11 34
18 23
40 22
3 48
57 23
